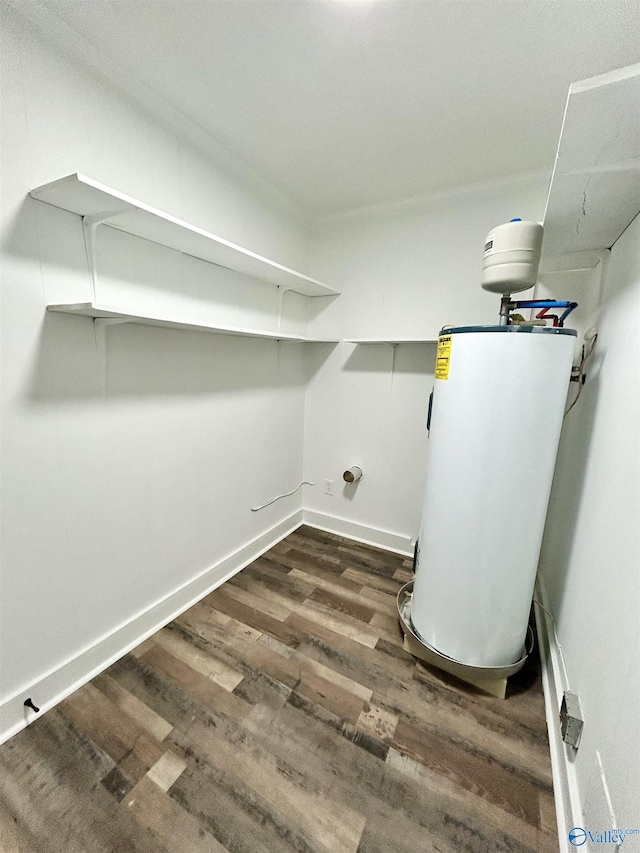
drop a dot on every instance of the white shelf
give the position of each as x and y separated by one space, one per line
103 312
87 197
389 341
595 189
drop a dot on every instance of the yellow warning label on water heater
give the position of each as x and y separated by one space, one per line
443 357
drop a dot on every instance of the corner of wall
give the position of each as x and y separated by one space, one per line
385 539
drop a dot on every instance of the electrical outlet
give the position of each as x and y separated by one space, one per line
571 722
329 487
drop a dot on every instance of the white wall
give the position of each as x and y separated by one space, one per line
112 502
120 503
404 272
590 562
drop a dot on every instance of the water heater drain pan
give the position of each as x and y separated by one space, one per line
454 667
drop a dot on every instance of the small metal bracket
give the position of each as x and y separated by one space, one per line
281 292
89 226
394 354
100 325
571 722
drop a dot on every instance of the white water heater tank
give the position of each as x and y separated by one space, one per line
497 410
512 257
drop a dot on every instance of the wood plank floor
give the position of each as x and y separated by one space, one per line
282 714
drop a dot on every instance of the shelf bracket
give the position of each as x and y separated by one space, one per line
281 292
100 325
394 347
89 226
280 304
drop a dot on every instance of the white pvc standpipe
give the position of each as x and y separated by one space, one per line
352 475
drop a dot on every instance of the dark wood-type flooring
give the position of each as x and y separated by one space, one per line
281 714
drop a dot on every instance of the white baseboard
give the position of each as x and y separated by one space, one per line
554 682
61 681
396 542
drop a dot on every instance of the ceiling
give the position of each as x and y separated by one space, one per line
348 103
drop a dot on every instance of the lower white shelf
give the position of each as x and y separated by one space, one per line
103 312
390 341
